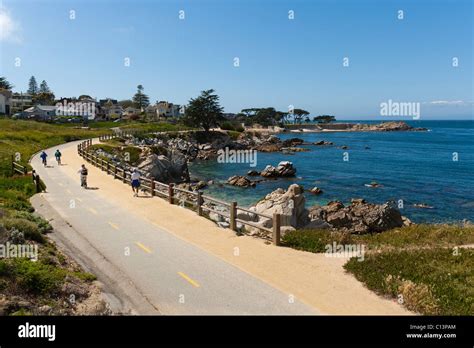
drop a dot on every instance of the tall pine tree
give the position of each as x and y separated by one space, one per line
44 87
140 99
32 86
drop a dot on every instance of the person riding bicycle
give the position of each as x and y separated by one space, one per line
43 157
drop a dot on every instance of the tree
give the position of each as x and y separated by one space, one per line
44 87
140 99
32 86
126 103
324 119
299 114
4 84
84 97
204 111
43 98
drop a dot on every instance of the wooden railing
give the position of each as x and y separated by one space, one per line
18 168
188 199
122 133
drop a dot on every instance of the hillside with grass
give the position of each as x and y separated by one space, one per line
51 284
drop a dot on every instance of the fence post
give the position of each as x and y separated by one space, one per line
170 193
199 203
152 187
115 172
233 215
276 229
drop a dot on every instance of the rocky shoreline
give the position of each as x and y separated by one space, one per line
165 156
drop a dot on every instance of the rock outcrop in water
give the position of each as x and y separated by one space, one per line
284 169
241 181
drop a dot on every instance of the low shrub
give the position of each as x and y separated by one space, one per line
37 277
430 281
30 229
314 241
227 126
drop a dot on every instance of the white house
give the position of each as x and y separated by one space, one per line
166 109
5 101
131 111
39 112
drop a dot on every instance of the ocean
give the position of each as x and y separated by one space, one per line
434 167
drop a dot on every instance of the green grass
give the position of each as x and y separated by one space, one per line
428 281
161 126
122 152
414 236
314 241
29 137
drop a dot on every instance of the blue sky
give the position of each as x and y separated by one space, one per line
282 62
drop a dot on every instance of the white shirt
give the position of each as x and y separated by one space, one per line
135 176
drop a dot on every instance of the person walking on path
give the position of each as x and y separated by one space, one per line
58 155
135 182
83 171
43 157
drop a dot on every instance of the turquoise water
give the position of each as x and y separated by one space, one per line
416 167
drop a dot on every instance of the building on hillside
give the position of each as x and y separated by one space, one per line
20 101
5 101
113 112
39 113
106 101
131 112
151 112
84 107
108 108
166 109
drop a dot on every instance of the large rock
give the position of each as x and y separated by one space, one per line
240 181
284 169
172 168
289 204
292 142
359 217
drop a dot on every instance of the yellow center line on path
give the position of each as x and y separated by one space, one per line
144 248
113 225
68 191
80 200
193 283
93 211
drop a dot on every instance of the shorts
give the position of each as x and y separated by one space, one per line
135 183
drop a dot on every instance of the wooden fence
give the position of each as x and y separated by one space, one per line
190 199
18 168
